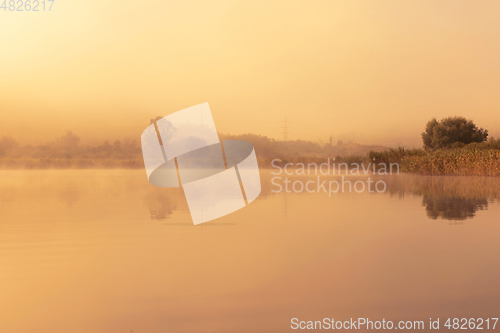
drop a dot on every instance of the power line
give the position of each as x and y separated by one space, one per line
285 129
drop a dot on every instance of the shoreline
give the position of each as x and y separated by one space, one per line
466 161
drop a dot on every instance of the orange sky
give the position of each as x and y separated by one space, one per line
373 70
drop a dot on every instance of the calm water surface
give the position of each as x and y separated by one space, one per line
104 251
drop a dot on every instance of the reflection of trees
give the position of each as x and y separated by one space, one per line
162 202
447 197
453 208
161 208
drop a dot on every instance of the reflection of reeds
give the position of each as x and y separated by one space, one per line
443 186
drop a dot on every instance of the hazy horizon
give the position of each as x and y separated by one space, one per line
92 138
371 72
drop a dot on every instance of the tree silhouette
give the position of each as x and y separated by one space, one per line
452 132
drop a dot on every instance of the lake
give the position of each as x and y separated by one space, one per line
105 251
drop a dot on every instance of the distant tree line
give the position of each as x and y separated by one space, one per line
68 146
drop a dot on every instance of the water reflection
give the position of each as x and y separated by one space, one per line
447 198
161 202
453 208
102 258
443 186
444 197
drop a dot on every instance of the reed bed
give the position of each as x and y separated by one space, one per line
466 161
458 162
